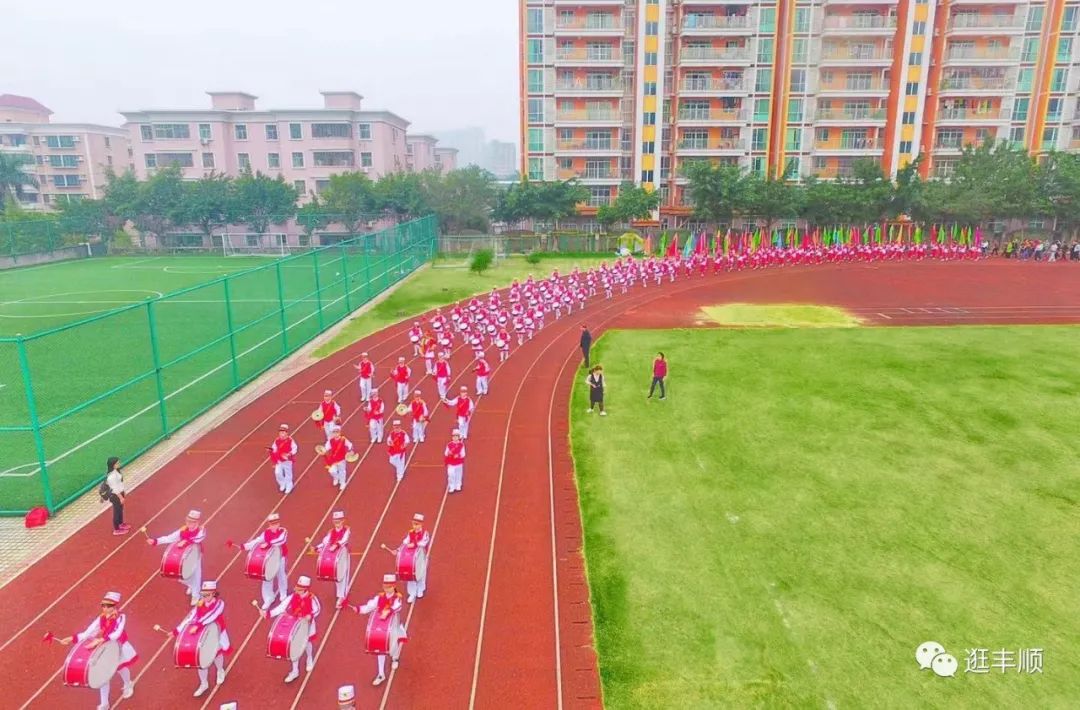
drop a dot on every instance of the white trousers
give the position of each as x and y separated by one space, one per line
194 582
402 391
365 388
282 583
463 426
417 587
482 385
375 426
103 691
204 673
418 428
454 475
429 365
283 473
442 383
310 659
398 462
503 354
341 587
337 474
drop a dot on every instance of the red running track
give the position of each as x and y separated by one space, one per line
506 619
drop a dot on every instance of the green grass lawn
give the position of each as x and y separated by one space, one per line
810 505
446 282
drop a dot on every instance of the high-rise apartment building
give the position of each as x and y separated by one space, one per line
68 161
615 90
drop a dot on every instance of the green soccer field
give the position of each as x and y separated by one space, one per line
808 506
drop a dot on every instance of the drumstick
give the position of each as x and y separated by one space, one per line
161 630
143 531
392 552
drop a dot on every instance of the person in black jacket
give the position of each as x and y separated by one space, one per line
595 380
586 343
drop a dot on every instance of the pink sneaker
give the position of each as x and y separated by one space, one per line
120 531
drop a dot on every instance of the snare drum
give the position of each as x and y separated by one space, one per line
263 563
288 638
91 667
500 342
383 636
411 563
179 562
437 325
332 564
414 339
197 650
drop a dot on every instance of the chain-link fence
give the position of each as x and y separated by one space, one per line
508 244
118 383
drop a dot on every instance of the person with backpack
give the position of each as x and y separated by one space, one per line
112 490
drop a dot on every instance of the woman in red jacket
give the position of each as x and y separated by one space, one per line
659 372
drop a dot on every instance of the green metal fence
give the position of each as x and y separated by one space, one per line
120 382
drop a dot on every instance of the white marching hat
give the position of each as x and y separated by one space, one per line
194 515
455 432
338 515
464 388
111 598
209 585
397 422
283 427
303 582
389 579
346 693
363 354
419 517
328 393
416 391
401 359
273 517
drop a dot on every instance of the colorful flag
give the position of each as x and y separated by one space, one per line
673 245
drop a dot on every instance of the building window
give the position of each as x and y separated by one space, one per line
180 160
300 186
648 147
918 28
761 110
535 51
795 111
536 140
912 88
298 160
296 131
167 131
204 131
650 59
536 168
1064 49
1016 135
536 81
321 185
241 132
151 160
798 81
650 88
1068 20
802 19
759 138
1034 19
652 28
793 139
647 176
332 158
273 160
763 80
64 161
757 165
1059 79
60 141
243 161
908 118
65 180
271 132
365 160
649 118
905 147
1053 109
1020 109
536 110
208 160
915 59
799 50
765 49
823 135
767 19
331 130
1049 141
535 23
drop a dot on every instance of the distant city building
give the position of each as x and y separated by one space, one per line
502 159
470 143
304 146
70 161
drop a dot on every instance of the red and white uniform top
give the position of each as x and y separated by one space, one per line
271 538
417 538
337 537
300 607
428 347
482 369
419 410
330 411
442 369
519 323
474 303
438 321
204 613
462 404
454 453
376 408
283 449
503 336
367 369
396 443
400 374
336 450
110 630
383 602
415 332
190 537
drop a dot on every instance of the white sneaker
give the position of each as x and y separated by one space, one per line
411 599
293 675
220 677
394 664
342 486
129 690
589 411
310 665
603 414
419 595
201 689
378 680
281 489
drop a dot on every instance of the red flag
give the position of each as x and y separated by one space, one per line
673 245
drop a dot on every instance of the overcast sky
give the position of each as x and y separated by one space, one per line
437 63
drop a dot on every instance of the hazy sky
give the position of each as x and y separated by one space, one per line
437 63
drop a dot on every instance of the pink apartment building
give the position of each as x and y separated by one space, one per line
69 160
421 152
446 159
305 146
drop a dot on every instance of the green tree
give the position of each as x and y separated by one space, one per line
770 199
158 204
515 202
557 200
351 200
1060 184
14 179
462 198
209 202
632 202
312 217
716 192
403 195
260 200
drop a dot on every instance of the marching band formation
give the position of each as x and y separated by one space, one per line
201 640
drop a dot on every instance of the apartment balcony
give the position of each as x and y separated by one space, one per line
690 4
609 25
874 87
712 116
589 88
586 117
864 2
964 116
975 85
722 56
972 24
712 87
851 146
858 25
590 3
949 147
841 116
709 25
587 147
981 55
582 56
596 176
723 146
855 55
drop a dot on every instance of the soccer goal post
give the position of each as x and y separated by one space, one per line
255 244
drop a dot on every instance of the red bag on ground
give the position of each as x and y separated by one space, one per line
37 517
